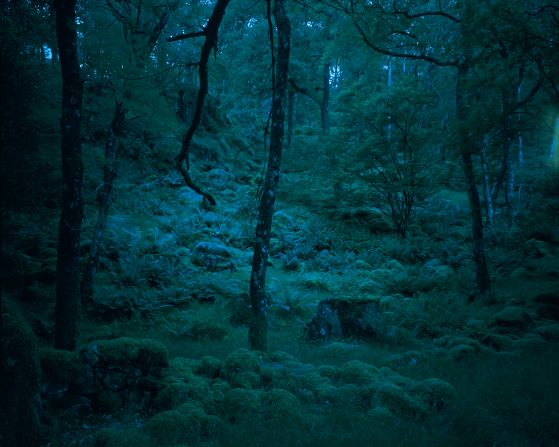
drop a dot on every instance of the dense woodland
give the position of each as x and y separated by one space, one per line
279 223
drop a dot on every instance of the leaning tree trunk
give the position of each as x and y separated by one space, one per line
482 273
104 200
67 312
258 327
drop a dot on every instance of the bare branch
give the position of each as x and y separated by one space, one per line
186 36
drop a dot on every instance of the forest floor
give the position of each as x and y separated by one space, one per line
440 371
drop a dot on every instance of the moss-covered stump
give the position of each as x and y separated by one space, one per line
337 318
19 395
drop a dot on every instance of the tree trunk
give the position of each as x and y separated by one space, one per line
104 200
67 312
258 326
290 116
486 189
482 273
325 104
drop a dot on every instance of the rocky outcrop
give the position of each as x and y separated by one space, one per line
337 318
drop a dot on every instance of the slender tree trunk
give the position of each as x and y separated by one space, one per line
258 327
486 189
104 200
67 313
290 116
482 273
325 104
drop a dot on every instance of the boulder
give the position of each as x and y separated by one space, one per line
512 317
337 318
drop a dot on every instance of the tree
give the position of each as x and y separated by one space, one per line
258 324
67 314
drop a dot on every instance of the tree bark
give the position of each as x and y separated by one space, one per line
290 118
104 200
67 312
258 326
325 104
486 189
210 42
482 273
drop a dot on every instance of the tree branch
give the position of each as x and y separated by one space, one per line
187 35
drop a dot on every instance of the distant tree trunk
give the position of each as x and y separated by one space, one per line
325 104
290 117
104 201
67 312
486 189
482 273
258 330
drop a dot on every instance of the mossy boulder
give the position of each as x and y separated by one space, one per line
241 404
511 318
110 437
337 318
188 423
398 401
149 356
435 393
358 373
19 392
241 369
280 408
209 367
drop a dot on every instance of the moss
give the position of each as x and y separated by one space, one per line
172 396
395 399
171 427
354 397
241 404
241 369
63 367
209 367
110 437
22 379
435 393
358 373
147 355
281 408
274 376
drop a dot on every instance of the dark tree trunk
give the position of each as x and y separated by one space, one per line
258 326
104 201
486 189
325 104
67 313
210 42
482 273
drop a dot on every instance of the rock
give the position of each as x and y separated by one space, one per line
549 332
550 298
372 218
336 318
512 317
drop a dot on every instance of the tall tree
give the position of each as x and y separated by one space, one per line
67 313
258 326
